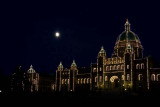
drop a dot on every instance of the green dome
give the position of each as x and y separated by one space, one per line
127 35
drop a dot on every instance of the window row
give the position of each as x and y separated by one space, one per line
65 81
140 66
84 81
115 67
65 73
155 77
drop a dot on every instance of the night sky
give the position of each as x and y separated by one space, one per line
27 31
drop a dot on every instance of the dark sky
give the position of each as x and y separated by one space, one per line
27 31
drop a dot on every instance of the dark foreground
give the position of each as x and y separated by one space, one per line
83 99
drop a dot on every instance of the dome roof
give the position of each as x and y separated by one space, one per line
127 35
31 70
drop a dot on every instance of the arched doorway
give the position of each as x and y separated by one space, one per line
114 82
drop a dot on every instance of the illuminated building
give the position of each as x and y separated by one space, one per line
127 69
33 79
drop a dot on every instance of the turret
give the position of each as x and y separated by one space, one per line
60 67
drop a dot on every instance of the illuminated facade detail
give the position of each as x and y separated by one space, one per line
158 77
140 77
153 77
33 78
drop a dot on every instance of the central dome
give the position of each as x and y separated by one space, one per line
127 36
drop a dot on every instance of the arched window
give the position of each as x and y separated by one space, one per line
122 77
81 80
140 77
84 81
142 66
88 80
115 67
107 68
158 77
95 79
137 66
78 82
94 70
62 81
118 67
106 78
153 77
110 67
65 81
122 67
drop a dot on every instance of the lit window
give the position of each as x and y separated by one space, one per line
142 66
107 68
100 78
62 81
110 67
68 81
96 79
158 77
127 66
78 81
84 81
100 69
128 77
140 77
94 70
122 77
118 67
137 66
106 78
81 80
122 67
88 80
65 81
153 77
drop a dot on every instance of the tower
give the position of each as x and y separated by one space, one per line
73 76
129 56
101 60
33 79
58 77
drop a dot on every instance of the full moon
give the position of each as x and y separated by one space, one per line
57 34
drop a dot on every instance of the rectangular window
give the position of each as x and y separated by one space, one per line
128 77
100 78
100 69
106 78
127 66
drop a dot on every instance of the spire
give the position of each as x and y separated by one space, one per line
31 67
73 64
102 50
127 26
60 66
